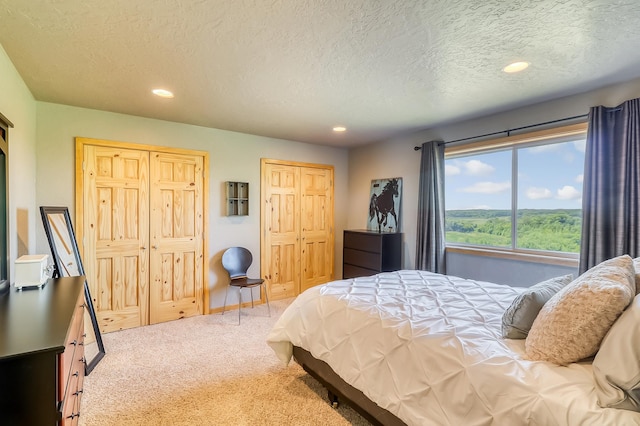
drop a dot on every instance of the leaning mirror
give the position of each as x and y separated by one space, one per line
67 263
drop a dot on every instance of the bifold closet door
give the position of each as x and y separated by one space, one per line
297 226
176 219
281 242
316 222
143 234
116 236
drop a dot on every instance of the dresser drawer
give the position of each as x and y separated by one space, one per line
361 258
69 406
360 241
351 271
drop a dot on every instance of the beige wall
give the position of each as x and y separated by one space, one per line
18 105
397 158
232 156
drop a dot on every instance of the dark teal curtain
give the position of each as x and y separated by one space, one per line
611 188
430 251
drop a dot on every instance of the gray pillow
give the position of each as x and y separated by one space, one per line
519 316
616 366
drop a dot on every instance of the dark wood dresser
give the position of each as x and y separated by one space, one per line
42 353
369 252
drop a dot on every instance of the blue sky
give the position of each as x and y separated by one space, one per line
549 177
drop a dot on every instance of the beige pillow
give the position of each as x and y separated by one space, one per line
616 367
571 325
636 265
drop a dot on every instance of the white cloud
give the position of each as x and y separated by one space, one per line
538 193
478 168
580 145
568 192
451 170
488 187
580 178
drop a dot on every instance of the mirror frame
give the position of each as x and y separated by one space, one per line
45 211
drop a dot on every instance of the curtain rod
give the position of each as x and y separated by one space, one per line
508 131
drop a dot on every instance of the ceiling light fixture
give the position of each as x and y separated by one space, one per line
162 93
339 129
515 67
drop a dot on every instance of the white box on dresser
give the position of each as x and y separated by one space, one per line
31 270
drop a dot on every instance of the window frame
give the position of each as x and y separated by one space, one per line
5 261
514 142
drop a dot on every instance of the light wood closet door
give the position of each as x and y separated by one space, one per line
297 219
116 215
142 221
281 224
316 226
176 258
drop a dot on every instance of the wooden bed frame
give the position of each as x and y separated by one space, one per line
338 389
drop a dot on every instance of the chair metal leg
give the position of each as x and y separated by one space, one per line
251 290
239 303
225 300
266 296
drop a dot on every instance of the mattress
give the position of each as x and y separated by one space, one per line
428 348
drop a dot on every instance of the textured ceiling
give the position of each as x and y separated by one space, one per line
293 69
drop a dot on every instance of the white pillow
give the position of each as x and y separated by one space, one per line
571 325
616 367
519 316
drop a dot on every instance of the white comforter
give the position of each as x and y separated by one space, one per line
427 347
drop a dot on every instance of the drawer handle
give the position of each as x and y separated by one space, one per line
77 373
74 415
78 392
74 343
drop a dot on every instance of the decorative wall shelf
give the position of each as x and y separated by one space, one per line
237 198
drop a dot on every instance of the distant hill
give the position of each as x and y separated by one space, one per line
538 229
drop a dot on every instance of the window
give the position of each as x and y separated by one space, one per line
518 193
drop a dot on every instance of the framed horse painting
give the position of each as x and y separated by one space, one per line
384 205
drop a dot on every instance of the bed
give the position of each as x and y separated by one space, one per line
418 348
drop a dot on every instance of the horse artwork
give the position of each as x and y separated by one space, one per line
384 205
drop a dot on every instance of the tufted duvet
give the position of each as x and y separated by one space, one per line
428 348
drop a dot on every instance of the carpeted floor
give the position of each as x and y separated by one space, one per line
205 370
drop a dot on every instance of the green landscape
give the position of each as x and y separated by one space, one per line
555 230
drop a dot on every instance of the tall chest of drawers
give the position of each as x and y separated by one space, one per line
42 353
368 252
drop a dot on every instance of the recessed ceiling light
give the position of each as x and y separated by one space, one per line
162 93
339 129
515 67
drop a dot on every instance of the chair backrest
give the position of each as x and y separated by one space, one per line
236 260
